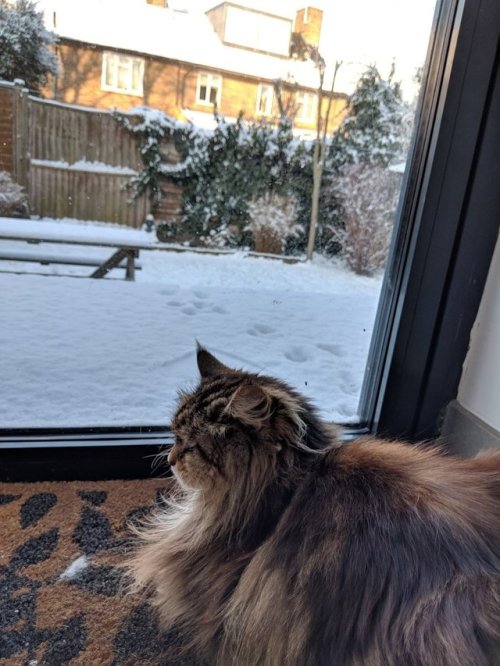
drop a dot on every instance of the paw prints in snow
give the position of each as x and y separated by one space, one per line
260 329
332 349
297 354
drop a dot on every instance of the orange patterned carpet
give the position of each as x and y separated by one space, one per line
61 544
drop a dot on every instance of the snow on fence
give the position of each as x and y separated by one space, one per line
73 161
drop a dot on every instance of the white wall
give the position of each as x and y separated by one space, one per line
479 389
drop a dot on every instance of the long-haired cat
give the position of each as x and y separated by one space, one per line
279 547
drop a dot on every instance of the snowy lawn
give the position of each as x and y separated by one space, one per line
82 352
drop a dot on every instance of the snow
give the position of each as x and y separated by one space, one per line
185 36
75 568
78 231
82 352
84 165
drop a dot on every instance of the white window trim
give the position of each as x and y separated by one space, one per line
138 92
304 118
268 111
210 79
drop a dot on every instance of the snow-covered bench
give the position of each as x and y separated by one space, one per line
46 258
125 254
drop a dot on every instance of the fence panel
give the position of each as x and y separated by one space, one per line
47 146
6 132
62 192
61 132
63 135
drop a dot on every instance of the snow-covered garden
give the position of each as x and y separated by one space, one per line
82 352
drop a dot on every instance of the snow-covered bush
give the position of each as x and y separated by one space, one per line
223 170
13 200
220 172
369 195
239 162
272 222
153 130
24 44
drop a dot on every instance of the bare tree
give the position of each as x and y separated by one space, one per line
320 150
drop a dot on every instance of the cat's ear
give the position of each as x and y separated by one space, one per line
251 405
208 365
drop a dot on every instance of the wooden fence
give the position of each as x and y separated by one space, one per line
73 161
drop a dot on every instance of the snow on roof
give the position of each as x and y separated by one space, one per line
186 35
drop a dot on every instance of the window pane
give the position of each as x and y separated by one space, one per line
123 78
109 70
213 95
137 75
265 100
222 216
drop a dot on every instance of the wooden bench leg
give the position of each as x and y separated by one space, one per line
130 270
114 261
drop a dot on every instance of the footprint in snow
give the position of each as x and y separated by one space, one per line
219 310
174 304
200 294
189 310
260 329
297 354
331 349
199 304
348 385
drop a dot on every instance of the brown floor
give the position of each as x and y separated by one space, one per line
85 619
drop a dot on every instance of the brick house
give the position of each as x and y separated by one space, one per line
183 61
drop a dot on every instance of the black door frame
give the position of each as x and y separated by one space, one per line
450 216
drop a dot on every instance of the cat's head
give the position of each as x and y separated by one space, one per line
238 425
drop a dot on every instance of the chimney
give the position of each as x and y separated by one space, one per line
308 24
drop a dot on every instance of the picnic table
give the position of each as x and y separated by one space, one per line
126 245
124 255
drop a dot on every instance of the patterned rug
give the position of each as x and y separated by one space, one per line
61 602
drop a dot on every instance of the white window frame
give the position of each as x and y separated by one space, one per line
213 81
308 103
269 101
116 60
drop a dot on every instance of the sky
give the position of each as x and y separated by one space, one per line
361 32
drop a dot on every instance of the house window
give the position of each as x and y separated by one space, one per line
209 89
264 99
121 73
306 107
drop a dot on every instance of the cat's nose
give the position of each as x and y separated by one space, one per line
172 456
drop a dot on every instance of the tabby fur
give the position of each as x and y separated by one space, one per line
280 547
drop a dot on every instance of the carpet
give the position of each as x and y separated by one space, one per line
61 597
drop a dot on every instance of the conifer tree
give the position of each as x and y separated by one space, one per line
375 128
24 44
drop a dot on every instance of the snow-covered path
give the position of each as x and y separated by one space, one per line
81 352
